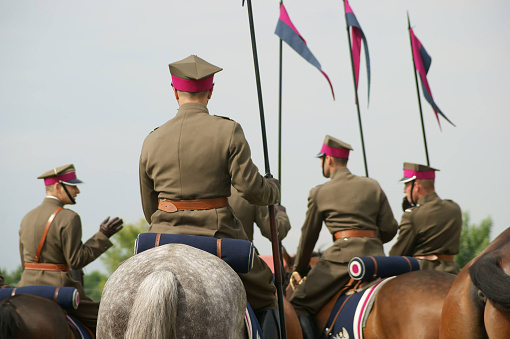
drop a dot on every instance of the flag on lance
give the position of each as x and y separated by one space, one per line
286 30
422 61
357 35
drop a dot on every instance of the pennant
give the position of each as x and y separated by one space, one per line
286 30
422 61
357 35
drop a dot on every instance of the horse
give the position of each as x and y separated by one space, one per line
478 304
408 306
172 291
32 317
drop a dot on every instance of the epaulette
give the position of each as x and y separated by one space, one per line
219 116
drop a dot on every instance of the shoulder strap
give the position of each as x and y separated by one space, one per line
43 239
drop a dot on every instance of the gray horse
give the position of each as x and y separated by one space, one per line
172 291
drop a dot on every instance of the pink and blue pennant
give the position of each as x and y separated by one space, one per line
286 30
357 35
422 61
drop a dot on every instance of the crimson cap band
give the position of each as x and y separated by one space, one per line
335 148
417 171
193 74
66 174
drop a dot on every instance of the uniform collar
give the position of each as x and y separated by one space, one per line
428 198
193 106
339 172
53 200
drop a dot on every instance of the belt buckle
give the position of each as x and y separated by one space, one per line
170 208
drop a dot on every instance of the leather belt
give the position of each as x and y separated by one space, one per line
354 234
202 204
436 257
46 267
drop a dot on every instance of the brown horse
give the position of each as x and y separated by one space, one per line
408 306
32 317
478 304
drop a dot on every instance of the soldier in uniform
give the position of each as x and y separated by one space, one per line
50 241
250 214
430 227
356 212
187 167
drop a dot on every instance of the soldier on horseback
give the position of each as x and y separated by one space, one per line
50 241
430 228
356 212
187 167
250 215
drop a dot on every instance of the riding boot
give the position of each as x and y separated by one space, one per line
269 320
308 327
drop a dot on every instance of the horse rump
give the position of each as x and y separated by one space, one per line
11 322
488 276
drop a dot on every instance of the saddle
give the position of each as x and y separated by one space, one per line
345 314
66 297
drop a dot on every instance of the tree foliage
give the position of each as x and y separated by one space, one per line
474 239
13 277
123 245
93 284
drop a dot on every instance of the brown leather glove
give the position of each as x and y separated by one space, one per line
279 208
406 204
110 227
274 180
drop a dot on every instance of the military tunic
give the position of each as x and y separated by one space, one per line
346 202
63 245
250 214
199 156
434 226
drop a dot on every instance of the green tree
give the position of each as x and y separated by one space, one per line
13 277
473 240
94 283
123 245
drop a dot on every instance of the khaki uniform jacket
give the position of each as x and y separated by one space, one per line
250 214
434 226
346 202
63 245
199 156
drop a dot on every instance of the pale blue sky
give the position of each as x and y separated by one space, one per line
85 82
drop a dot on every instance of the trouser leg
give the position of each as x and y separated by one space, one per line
258 283
323 281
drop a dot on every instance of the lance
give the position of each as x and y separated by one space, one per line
418 91
272 219
357 101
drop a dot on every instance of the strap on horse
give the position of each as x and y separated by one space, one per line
326 310
46 266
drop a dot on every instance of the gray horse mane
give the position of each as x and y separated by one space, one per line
172 291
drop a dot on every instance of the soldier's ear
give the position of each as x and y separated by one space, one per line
176 93
209 94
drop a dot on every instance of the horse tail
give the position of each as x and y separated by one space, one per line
490 278
10 320
154 311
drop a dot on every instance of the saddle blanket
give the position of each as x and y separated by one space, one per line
67 297
353 311
367 268
252 324
237 253
84 333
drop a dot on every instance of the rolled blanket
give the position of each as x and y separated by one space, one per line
366 268
67 297
235 252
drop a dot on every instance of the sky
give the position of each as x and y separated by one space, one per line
85 82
